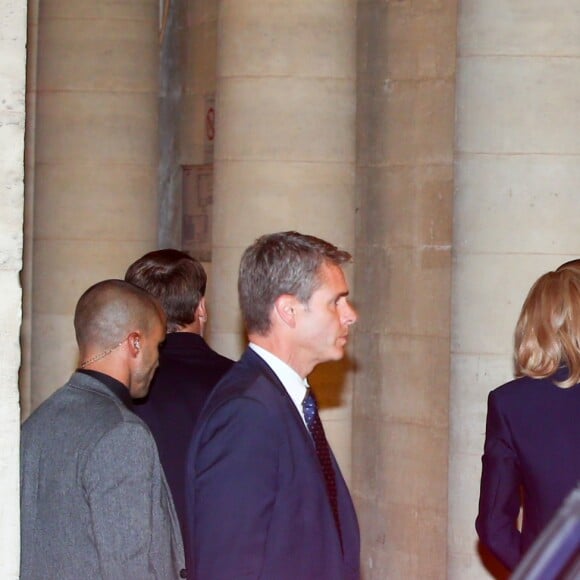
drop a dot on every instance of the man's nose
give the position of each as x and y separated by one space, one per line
349 316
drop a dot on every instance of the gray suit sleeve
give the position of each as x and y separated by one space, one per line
121 483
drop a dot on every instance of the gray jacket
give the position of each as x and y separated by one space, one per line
94 499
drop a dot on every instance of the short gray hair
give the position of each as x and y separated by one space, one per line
277 264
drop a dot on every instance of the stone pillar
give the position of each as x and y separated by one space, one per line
192 126
285 149
96 160
173 35
12 114
199 82
29 165
516 212
405 128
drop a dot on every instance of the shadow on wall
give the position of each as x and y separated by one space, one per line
328 381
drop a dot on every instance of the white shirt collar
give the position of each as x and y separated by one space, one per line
294 384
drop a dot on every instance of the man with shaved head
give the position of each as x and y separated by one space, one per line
94 499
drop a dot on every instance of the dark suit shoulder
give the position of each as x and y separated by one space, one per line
191 349
534 392
188 370
511 390
242 385
249 384
209 362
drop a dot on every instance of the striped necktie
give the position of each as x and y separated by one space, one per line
316 429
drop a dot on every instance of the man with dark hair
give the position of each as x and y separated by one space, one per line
188 367
94 499
265 496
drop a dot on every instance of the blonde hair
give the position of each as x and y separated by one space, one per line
548 330
571 265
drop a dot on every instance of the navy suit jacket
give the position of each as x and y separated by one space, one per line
256 496
532 453
188 371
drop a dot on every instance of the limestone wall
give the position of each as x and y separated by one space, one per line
405 127
95 167
284 153
12 114
517 203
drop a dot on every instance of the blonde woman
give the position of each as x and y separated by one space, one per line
531 455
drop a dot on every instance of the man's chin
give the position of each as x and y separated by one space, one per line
139 391
338 353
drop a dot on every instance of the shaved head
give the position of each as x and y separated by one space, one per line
108 311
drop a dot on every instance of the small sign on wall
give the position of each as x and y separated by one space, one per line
197 203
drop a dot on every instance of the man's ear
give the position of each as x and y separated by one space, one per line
285 308
134 343
201 310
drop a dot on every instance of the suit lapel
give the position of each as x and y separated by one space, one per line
253 359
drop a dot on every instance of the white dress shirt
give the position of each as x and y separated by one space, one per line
295 385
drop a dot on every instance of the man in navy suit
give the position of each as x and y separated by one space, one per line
188 367
265 496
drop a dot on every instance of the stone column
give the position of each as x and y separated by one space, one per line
405 127
285 149
96 158
516 212
12 114
199 82
173 35
195 132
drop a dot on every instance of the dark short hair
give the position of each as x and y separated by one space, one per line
176 279
277 264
